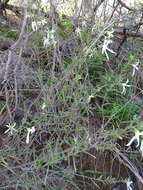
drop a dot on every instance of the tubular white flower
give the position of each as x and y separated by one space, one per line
135 67
141 148
110 33
46 42
10 129
105 47
107 42
43 22
128 183
29 131
34 26
124 85
89 98
50 39
43 106
78 31
136 137
44 3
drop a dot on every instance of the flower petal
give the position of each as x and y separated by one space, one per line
131 141
27 138
141 148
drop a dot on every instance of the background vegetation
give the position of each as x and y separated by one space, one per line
71 94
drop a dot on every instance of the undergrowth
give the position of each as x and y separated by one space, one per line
87 106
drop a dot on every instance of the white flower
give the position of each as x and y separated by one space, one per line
128 183
46 42
29 131
135 67
89 98
34 26
110 33
10 128
93 29
106 43
141 148
43 106
105 47
136 137
43 22
84 24
78 31
50 39
44 3
124 85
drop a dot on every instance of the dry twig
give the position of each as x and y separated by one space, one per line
127 163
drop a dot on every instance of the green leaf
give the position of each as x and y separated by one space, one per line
93 172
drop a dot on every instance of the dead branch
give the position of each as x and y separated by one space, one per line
11 49
126 162
98 5
125 6
122 42
3 7
3 4
18 10
115 8
132 34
